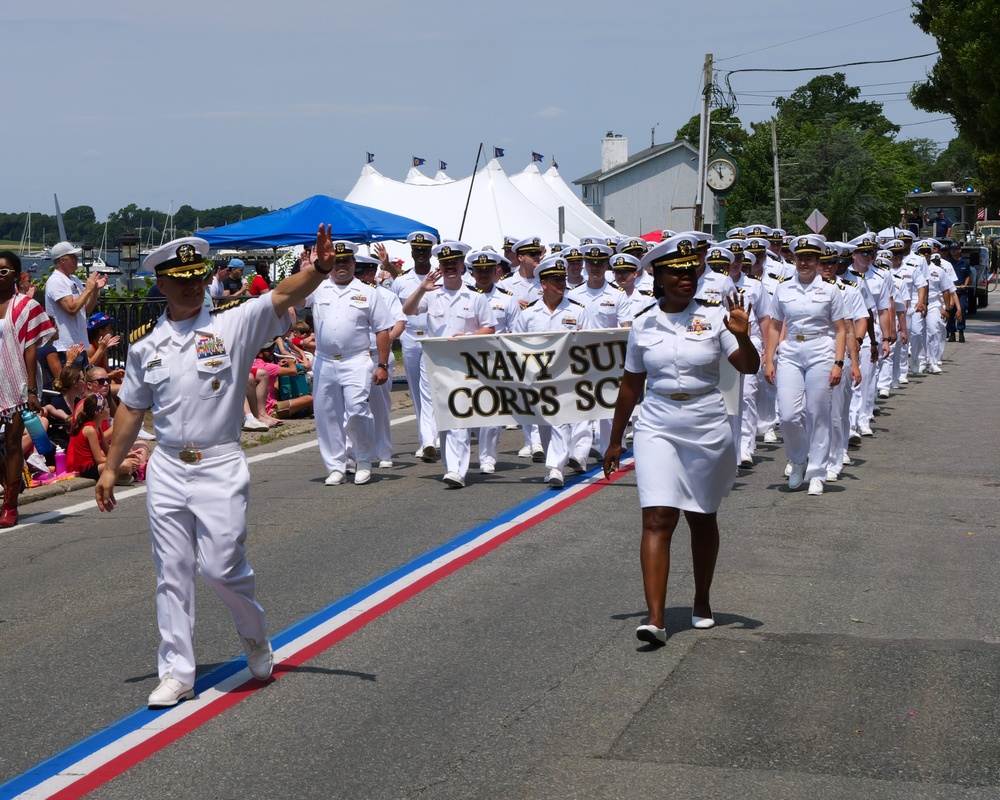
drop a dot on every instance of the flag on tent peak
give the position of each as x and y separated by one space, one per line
442 165
536 157
419 161
554 164
497 152
370 158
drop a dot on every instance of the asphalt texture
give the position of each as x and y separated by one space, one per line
855 655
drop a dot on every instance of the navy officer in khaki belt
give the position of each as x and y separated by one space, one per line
190 367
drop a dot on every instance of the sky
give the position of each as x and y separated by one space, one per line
218 102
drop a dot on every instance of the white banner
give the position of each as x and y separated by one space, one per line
529 378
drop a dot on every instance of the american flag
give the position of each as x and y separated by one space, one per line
981 214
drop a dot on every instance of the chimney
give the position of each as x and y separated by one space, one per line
614 151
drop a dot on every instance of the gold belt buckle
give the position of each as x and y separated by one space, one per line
799 337
190 456
680 396
337 357
419 333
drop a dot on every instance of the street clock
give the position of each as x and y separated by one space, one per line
721 173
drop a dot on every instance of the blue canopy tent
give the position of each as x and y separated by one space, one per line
298 224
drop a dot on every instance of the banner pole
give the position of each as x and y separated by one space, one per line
472 182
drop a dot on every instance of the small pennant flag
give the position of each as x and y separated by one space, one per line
419 161
442 166
497 152
554 164
536 157
981 214
371 158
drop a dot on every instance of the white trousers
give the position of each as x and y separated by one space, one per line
767 407
420 392
456 446
840 420
489 439
198 520
804 401
861 414
556 439
380 401
936 332
748 421
340 405
918 342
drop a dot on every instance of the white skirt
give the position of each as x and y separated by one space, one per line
685 457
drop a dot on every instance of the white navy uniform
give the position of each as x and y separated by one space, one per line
569 315
380 397
526 289
939 281
193 375
685 456
607 307
756 300
413 360
840 401
871 290
344 318
452 312
802 369
506 309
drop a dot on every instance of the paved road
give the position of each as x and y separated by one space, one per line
856 656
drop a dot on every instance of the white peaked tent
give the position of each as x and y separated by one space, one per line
580 221
497 208
569 199
440 177
416 178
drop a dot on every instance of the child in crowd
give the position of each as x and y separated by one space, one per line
265 372
88 450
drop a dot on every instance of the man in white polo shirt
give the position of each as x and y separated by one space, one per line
69 300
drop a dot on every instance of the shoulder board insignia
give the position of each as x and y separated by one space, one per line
406 271
753 277
841 287
575 302
829 280
502 290
773 276
532 303
647 308
849 283
141 331
647 292
370 283
709 303
476 289
226 307
614 285
506 276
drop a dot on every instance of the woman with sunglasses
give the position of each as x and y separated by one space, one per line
24 326
685 454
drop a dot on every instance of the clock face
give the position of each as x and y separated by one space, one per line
721 175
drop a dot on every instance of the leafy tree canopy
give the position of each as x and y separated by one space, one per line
828 99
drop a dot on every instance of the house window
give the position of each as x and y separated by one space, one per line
585 187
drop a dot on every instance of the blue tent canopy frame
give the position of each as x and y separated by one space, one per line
297 225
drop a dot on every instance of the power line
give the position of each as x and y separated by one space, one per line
812 35
925 122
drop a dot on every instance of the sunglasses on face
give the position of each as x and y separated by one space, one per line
5 271
100 381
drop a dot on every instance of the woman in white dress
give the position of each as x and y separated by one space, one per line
685 457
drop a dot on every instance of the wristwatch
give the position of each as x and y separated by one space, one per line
383 366
33 391
838 364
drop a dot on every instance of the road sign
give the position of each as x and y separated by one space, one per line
816 221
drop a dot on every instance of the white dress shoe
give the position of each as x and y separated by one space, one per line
651 634
770 436
487 469
335 478
831 476
798 475
815 486
903 381
454 480
788 469
169 693
429 454
847 459
385 463
363 473
866 430
702 623
934 369
854 437
574 464
351 467
554 479
883 394
746 460
524 452
537 453
260 658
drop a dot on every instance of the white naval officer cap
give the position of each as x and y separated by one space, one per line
364 261
450 251
179 258
484 259
864 243
760 231
719 256
421 239
735 233
633 246
809 243
622 261
597 251
344 249
528 246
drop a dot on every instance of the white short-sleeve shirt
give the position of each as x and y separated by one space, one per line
607 307
807 309
345 317
72 327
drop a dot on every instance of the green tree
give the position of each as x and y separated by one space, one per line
964 82
726 132
829 99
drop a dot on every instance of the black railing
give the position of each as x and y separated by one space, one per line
129 315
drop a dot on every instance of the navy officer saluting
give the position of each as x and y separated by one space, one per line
191 368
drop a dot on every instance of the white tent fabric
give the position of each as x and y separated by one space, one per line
416 178
440 177
569 199
580 221
497 207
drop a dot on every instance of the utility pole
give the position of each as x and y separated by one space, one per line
777 192
706 123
